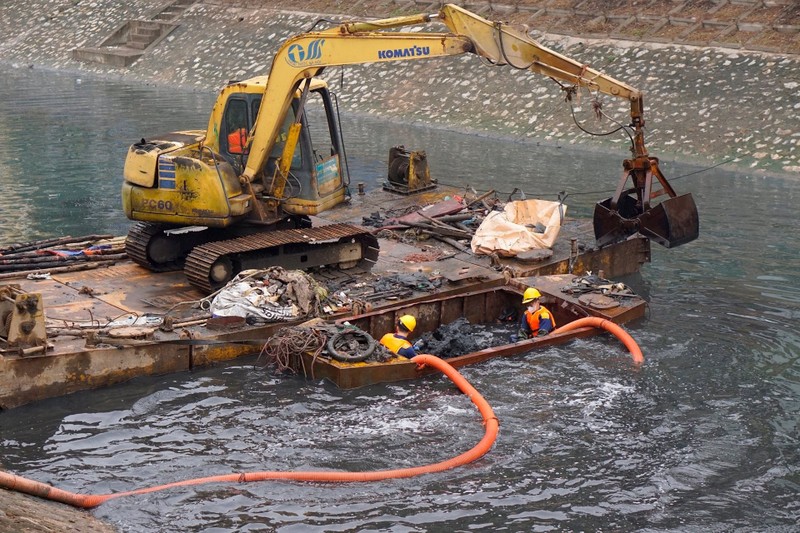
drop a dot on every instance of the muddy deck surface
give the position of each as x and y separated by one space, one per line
107 299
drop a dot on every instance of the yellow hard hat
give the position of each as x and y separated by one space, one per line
408 322
530 294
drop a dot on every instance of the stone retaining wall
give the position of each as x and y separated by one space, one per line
705 104
759 25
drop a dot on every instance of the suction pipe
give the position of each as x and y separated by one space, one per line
43 490
614 329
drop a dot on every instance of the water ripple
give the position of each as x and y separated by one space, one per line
704 437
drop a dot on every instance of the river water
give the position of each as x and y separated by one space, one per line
703 438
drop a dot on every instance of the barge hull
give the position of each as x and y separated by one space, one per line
481 306
102 295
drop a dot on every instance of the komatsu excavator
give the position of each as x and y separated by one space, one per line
238 195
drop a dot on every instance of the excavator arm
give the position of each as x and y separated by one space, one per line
306 55
672 222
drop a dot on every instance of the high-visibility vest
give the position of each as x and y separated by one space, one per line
237 140
394 343
540 314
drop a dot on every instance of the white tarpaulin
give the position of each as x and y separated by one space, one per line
273 295
514 230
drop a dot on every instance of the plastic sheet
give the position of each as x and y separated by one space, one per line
514 230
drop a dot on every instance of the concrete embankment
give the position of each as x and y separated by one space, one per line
703 104
21 513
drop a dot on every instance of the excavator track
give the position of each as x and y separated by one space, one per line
138 243
210 266
163 248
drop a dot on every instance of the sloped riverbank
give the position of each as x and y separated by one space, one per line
708 105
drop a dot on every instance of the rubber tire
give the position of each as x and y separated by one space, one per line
347 358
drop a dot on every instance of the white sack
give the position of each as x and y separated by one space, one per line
511 231
273 294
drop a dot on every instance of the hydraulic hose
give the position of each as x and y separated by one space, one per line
86 501
616 330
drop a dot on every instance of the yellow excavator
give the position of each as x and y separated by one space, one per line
239 194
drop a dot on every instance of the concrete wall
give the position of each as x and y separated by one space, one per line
705 104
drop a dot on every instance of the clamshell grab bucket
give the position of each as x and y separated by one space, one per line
614 225
671 223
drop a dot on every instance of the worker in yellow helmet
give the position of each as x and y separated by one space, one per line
397 342
536 321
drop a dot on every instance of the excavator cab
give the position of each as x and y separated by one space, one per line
317 173
317 177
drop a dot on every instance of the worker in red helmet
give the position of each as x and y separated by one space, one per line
536 321
397 342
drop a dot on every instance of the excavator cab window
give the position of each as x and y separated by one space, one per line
237 127
316 166
280 143
326 145
320 130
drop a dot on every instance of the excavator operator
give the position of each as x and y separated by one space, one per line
397 342
236 122
536 321
237 140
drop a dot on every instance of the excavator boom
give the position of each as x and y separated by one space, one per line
308 54
232 182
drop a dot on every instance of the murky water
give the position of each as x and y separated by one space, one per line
703 438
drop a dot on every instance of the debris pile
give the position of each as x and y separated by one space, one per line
596 283
482 226
452 221
352 345
597 292
360 297
460 338
283 351
269 295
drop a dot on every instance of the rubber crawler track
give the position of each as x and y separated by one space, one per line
202 258
139 237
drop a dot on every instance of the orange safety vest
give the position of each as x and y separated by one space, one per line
237 140
395 343
533 319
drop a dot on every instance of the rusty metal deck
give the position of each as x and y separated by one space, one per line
125 289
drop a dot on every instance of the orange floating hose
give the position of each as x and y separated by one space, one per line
616 330
43 490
